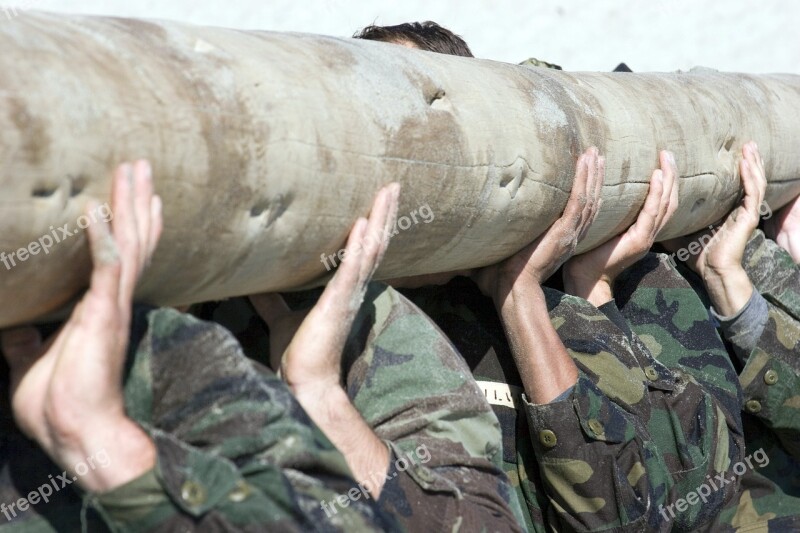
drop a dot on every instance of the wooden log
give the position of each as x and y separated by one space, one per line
266 146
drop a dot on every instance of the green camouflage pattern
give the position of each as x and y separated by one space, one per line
235 450
771 376
771 379
769 499
773 273
414 390
760 506
643 427
777 278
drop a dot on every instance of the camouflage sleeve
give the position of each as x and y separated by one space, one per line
235 451
771 378
773 273
591 483
418 395
636 436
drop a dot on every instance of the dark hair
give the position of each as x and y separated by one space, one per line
426 35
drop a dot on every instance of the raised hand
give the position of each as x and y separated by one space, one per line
784 228
67 391
591 275
312 358
719 259
540 259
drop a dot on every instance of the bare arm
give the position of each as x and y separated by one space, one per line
311 363
67 392
544 364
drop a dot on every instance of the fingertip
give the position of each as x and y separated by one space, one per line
142 167
156 206
360 225
156 223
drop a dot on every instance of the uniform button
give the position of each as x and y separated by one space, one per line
547 438
597 427
193 493
753 406
240 492
770 377
651 373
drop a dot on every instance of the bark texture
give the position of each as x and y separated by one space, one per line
267 146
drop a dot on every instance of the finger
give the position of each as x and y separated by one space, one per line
648 218
344 291
669 172
760 174
757 157
751 200
156 226
574 208
125 230
595 199
391 219
598 191
674 201
382 218
588 198
142 199
106 277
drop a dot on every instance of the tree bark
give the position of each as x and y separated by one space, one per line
267 146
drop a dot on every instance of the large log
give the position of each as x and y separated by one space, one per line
266 146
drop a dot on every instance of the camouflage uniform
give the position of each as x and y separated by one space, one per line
646 423
236 452
771 373
413 389
764 343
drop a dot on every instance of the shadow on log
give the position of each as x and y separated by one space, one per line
267 146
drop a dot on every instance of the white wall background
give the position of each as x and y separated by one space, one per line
649 35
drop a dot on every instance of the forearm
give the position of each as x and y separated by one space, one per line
729 291
366 455
545 366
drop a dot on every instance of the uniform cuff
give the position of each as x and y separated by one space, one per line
145 491
744 328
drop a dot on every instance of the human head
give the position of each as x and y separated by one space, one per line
427 36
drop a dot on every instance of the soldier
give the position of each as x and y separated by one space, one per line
611 431
427 36
174 429
559 389
753 289
399 386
